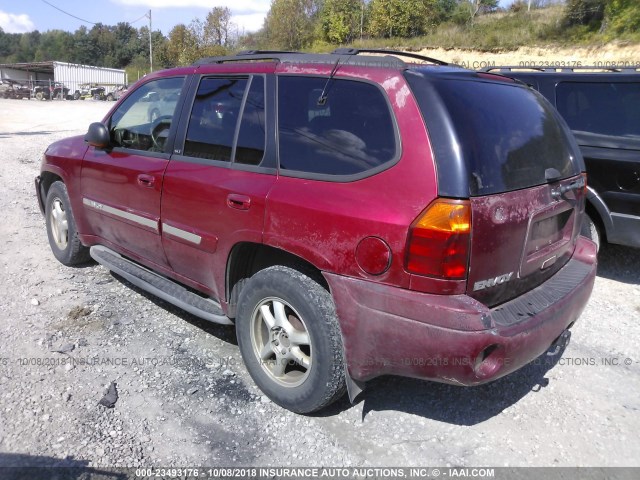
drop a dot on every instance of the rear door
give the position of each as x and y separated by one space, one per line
507 149
121 186
216 184
605 120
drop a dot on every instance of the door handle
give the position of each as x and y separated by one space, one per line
240 202
145 180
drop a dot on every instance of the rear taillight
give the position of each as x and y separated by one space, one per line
439 240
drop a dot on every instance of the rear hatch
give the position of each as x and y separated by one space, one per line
504 147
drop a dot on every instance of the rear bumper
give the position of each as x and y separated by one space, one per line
456 339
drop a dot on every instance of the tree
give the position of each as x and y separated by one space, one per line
467 10
584 12
289 23
181 47
482 6
126 40
218 26
340 20
402 18
444 9
622 16
55 45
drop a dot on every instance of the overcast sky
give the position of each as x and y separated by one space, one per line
27 15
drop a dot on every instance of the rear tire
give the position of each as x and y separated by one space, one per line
590 230
290 340
61 227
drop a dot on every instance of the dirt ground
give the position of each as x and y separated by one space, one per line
185 398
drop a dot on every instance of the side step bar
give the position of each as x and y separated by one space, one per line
160 286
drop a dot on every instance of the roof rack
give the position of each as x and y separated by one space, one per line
289 56
561 69
396 53
245 55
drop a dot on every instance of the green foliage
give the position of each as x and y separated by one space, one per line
217 28
340 20
622 16
290 23
319 25
444 9
123 46
181 47
462 14
584 12
402 18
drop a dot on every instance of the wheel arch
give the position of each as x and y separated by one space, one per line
248 258
599 213
46 180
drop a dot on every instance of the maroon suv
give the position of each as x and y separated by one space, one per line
352 215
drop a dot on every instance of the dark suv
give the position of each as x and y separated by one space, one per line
602 108
352 214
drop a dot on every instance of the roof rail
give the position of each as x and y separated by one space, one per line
247 55
263 52
397 53
561 69
284 56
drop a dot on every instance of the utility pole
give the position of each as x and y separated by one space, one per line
362 20
150 44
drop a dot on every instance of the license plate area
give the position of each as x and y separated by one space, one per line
548 231
549 238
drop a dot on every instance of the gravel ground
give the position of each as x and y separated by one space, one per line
185 398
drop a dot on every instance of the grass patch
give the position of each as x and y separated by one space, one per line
500 31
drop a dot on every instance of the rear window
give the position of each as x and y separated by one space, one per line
605 108
349 132
492 137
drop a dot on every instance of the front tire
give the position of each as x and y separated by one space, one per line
290 339
61 227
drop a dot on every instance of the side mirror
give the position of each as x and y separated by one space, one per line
97 135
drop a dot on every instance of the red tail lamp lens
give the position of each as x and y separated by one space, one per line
439 240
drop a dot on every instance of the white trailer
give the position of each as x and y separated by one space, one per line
71 75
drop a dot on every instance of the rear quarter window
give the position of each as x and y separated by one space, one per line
499 136
350 133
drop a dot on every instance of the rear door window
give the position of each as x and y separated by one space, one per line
604 108
227 121
349 131
214 118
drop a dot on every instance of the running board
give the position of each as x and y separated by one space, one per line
160 286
